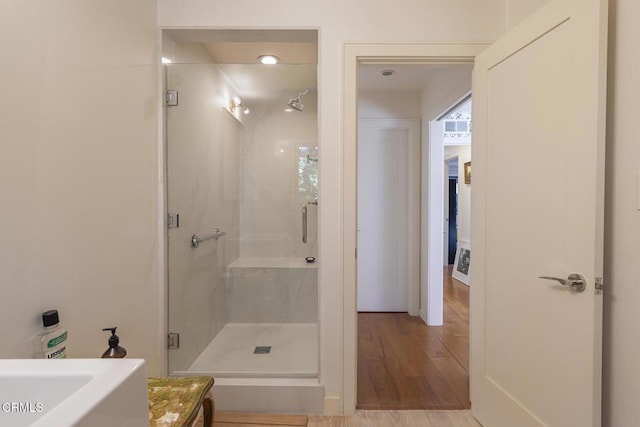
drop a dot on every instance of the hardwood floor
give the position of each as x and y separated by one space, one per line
397 418
360 419
244 419
404 364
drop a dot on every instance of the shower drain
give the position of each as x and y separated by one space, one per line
262 349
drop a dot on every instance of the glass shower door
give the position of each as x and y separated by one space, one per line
244 298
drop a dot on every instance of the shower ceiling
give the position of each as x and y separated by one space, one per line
244 46
236 52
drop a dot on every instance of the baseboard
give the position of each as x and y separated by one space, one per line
278 395
332 406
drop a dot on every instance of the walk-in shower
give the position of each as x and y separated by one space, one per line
243 282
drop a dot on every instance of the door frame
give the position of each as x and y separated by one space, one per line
412 209
447 214
363 53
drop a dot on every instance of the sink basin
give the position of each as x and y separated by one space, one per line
73 392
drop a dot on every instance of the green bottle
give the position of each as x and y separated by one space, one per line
51 343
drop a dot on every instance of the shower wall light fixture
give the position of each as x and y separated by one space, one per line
237 104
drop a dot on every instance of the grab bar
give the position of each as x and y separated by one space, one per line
195 240
304 223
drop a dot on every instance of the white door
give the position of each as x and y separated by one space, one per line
388 218
538 169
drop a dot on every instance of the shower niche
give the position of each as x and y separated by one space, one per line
242 173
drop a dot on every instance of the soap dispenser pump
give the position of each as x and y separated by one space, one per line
114 351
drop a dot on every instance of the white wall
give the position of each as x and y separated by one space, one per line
184 53
446 88
79 174
518 10
271 200
388 105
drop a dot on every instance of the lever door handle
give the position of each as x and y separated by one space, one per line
575 282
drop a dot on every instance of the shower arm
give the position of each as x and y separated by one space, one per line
305 91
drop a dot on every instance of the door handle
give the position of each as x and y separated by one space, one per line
575 282
304 223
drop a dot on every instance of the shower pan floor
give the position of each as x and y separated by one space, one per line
294 351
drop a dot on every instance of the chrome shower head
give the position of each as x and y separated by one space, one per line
296 103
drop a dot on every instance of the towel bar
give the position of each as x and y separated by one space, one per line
195 240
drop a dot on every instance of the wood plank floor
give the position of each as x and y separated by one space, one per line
360 419
397 418
238 419
404 364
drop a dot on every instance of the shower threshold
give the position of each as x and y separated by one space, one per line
293 353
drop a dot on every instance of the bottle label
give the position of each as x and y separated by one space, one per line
60 353
57 340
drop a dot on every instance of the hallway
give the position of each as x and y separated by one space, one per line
404 364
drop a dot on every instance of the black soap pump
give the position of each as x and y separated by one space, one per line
114 351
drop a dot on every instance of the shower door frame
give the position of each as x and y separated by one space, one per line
165 306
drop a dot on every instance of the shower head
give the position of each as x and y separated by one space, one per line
296 103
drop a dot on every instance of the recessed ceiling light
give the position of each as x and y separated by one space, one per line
268 59
388 73
166 61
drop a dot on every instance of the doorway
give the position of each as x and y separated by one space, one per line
527 67
355 55
451 210
390 336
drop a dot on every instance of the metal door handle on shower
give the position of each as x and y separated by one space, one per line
304 223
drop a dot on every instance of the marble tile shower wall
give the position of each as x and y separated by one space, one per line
271 188
272 295
271 283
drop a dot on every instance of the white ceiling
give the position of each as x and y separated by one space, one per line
407 77
236 53
248 52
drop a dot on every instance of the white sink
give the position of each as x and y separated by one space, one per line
73 392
